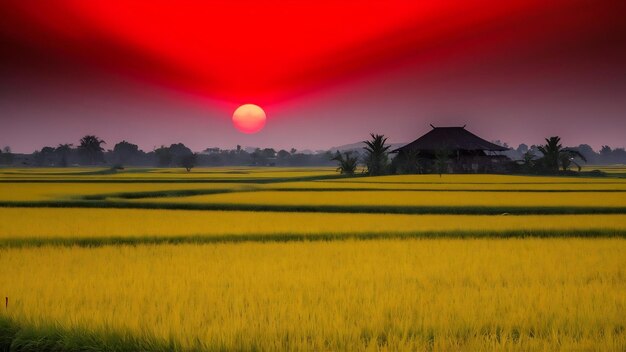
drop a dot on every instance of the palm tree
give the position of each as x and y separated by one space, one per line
376 158
91 149
551 151
554 155
347 163
567 158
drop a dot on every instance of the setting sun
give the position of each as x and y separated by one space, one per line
249 118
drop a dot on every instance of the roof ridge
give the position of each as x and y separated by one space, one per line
451 138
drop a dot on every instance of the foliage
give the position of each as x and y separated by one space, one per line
376 158
554 155
164 156
528 163
124 152
568 157
188 161
64 151
347 163
179 150
6 157
283 154
407 162
90 148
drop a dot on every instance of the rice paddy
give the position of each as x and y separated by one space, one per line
415 198
303 259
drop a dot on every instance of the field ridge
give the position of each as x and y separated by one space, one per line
312 237
353 209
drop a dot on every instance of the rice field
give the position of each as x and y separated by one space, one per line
341 295
305 260
415 198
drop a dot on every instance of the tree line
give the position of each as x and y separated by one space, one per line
90 151
605 156
374 157
546 159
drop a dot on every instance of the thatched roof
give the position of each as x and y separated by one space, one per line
450 139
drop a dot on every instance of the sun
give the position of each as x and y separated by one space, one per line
249 118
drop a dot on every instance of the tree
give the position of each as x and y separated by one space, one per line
46 156
551 151
164 156
347 163
6 156
376 158
91 149
619 155
567 158
258 158
605 151
528 161
293 151
283 154
179 150
124 151
189 161
269 153
522 148
588 153
407 162
554 155
63 152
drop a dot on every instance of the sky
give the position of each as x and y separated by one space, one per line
327 73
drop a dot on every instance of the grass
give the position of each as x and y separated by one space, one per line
437 294
53 337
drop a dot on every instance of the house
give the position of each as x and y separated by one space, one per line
459 150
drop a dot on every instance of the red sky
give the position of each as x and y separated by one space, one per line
326 72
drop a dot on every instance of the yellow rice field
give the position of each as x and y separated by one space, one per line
146 259
470 183
487 179
103 223
516 294
419 198
42 191
167 174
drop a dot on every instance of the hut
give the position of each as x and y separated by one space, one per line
457 148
